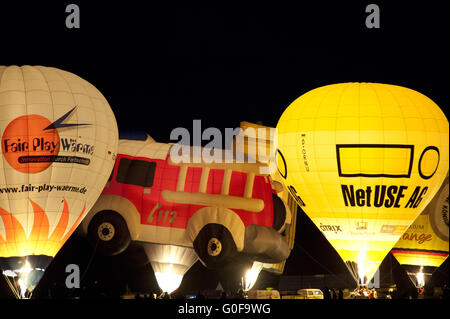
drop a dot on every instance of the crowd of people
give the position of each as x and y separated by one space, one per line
363 292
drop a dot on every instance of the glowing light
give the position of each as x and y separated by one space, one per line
420 279
23 288
168 281
361 266
169 263
252 275
23 280
25 269
9 273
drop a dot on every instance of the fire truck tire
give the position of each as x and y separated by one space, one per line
214 246
108 233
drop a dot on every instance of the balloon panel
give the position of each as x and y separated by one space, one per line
415 247
363 160
425 243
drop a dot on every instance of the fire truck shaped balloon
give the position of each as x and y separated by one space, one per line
219 210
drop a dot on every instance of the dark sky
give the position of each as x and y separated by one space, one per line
161 66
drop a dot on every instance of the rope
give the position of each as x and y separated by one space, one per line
11 286
88 265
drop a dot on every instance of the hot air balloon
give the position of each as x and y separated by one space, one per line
259 141
170 263
363 160
181 211
59 142
424 246
251 276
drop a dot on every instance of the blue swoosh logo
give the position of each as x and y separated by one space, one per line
58 123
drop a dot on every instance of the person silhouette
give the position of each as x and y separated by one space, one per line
333 293
326 293
340 294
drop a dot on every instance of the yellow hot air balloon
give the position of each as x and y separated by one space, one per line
424 246
58 139
363 160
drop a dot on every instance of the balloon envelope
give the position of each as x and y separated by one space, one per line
363 160
251 276
424 246
170 263
59 141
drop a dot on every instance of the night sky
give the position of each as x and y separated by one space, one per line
162 66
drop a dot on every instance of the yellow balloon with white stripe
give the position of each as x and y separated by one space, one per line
363 160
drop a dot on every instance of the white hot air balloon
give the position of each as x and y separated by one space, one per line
170 263
59 141
251 275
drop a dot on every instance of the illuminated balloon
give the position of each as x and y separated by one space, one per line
220 209
251 276
259 142
424 246
169 263
184 211
58 140
363 160
289 233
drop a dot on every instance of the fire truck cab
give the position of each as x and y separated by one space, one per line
219 209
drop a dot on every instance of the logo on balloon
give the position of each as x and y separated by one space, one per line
31 143
27 146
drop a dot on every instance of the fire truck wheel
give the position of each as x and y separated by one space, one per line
214 246
108 233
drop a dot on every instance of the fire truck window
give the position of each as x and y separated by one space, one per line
136 172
